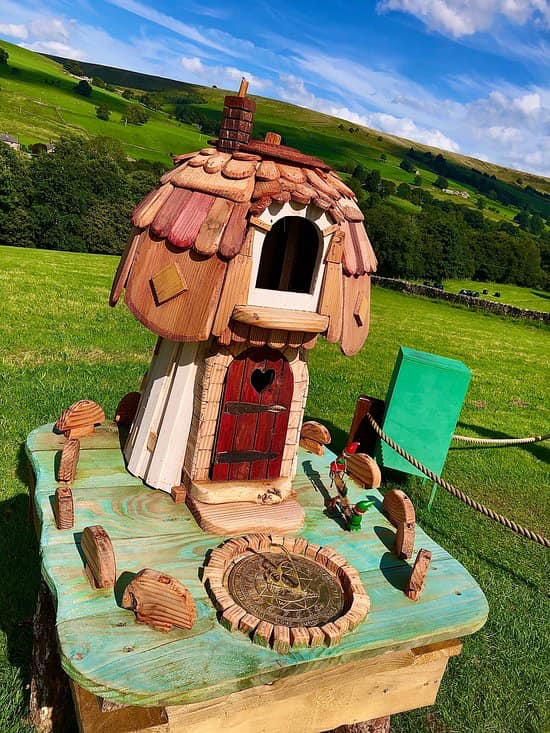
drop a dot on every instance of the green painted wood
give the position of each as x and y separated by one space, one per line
106 652
423 404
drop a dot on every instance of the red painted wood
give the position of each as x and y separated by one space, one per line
187 223
263 431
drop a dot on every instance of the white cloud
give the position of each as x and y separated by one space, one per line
528 103
459 18
49 28
293 89
220 75
13 30
55 48
211 38
504 134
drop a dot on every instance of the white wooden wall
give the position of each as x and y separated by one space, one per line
156 445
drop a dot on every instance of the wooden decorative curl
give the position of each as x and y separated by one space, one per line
160 601
264 633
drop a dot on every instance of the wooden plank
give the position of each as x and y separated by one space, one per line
187 317
234 291
235 518
187 223
168 283
210 233
145 212
222 492
124 266
353 333
125 720
451 603
233 236
167 214
305 704
277 318
215 184
331 300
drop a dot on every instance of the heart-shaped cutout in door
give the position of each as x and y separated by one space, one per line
262 379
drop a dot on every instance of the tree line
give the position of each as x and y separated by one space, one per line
81 196
78 198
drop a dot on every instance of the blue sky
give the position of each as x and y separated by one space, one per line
465 75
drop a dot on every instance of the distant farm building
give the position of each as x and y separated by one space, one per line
462 194
37 148
12 142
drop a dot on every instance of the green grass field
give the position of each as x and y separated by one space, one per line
530 298
60 341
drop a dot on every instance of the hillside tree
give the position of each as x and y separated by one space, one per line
102 112
441 182
83 88
4 56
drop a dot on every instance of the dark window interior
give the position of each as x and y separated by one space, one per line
289 256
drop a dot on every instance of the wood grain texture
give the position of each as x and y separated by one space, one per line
124 266
148 529
160 601
168 283
63 507
233 236
316 431
354 335
69 460
215 184
99 557
416 583
404 540
364 470
186 225
209 235
236 518
234 291
145 212
189 316
331 300
398 507
80 418
277 318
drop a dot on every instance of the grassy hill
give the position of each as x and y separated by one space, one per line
60 341
38 103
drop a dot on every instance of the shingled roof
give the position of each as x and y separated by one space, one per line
196 223
181 210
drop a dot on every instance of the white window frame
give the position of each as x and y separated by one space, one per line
285 299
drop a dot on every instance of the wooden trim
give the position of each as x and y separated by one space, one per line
260 223
277 318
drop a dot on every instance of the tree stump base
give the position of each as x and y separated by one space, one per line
377 725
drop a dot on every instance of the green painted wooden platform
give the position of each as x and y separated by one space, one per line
107 653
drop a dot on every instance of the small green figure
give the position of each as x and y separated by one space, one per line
357 515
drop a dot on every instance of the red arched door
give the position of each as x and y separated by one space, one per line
253 417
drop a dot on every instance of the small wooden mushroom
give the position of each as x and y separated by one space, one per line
400 511
80 419
415 586
364 469
127 408
314 437
159 601
63 507
99 556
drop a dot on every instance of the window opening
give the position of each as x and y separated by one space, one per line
289 256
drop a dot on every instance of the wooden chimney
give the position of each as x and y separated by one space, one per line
237 120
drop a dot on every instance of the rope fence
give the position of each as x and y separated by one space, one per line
472 503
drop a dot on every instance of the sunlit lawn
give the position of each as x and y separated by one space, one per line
60 341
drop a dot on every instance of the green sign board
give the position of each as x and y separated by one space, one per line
423 404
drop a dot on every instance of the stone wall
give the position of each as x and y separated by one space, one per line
501 309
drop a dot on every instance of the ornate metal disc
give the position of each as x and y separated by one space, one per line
286 589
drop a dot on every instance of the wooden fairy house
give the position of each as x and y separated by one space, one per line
238 260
